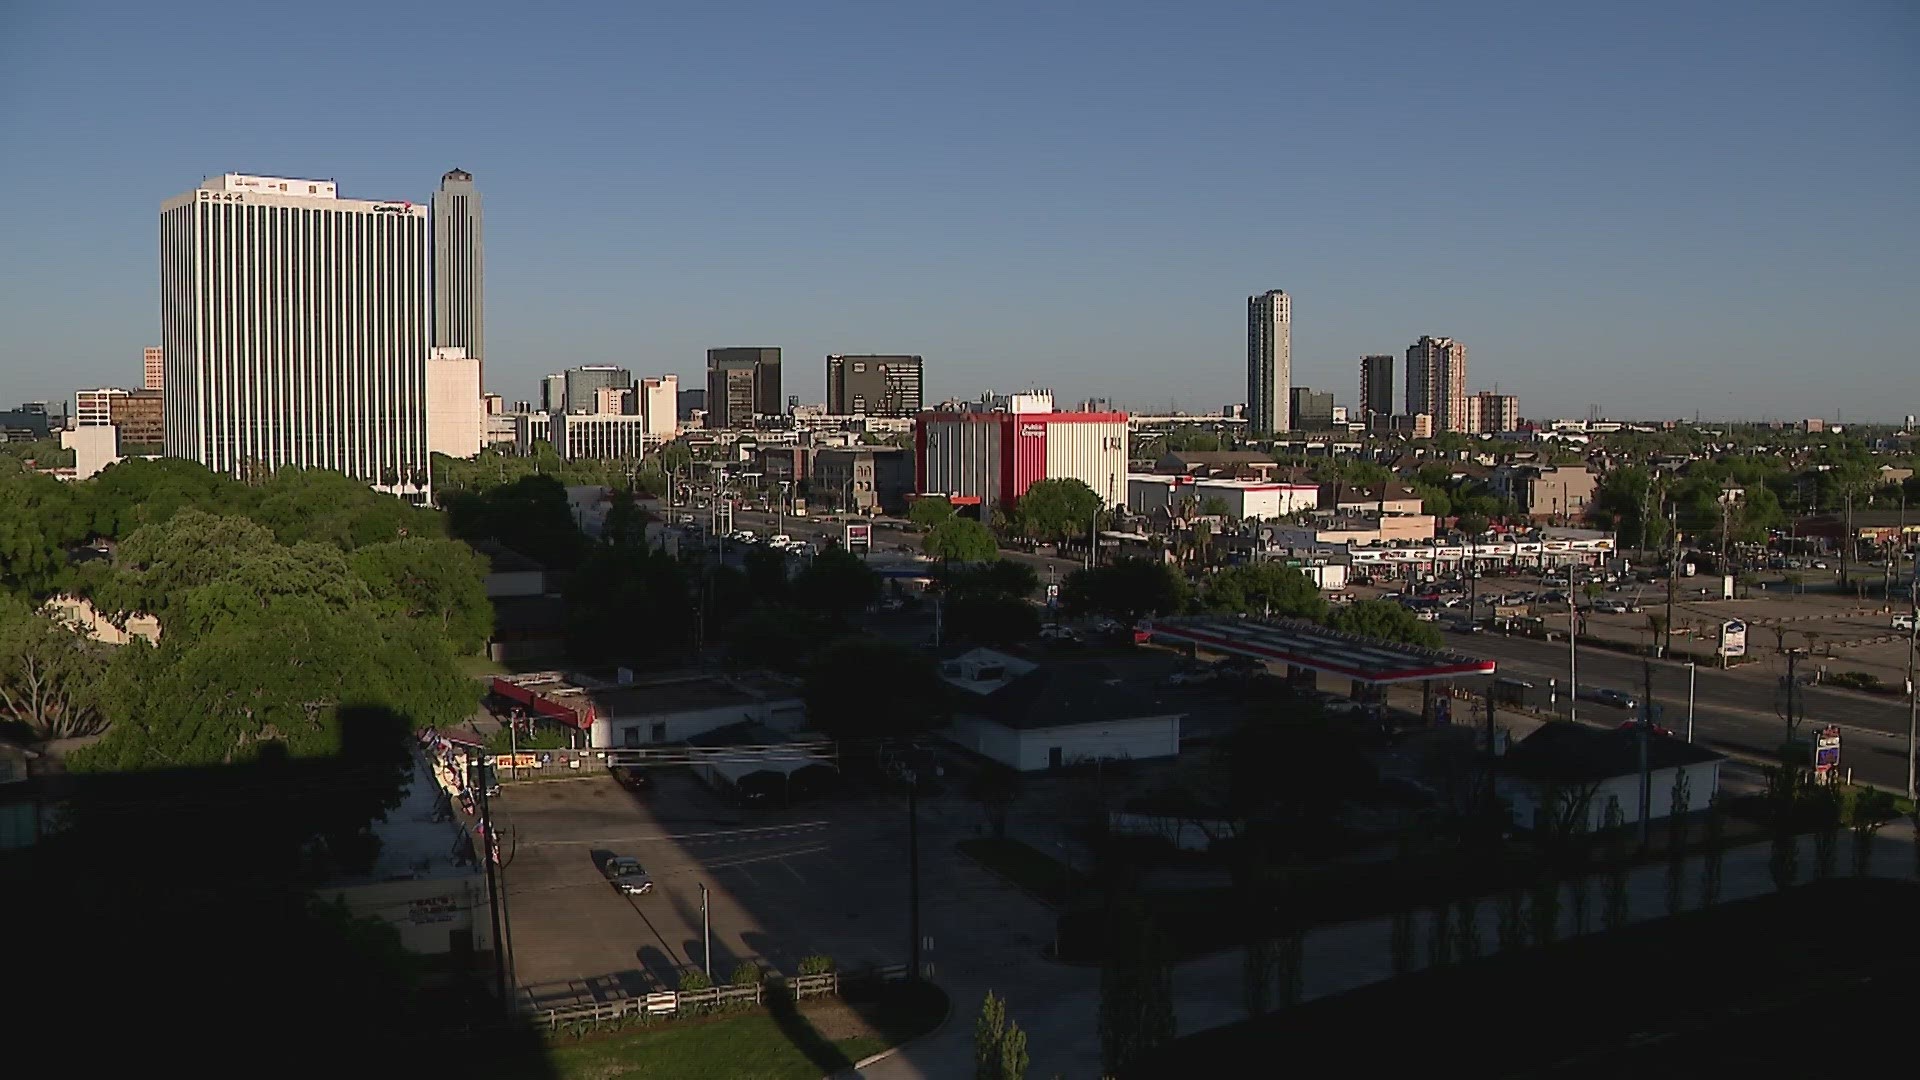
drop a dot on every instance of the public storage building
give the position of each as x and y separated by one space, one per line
991 458
1033 717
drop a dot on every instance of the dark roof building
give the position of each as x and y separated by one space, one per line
1031 715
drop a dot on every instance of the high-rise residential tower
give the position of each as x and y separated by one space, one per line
1437 382
1376 386
459 267
1269 362
156 374
888 386
293 328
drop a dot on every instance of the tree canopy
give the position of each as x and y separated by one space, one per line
1385 621
929 511
960 540
1052 511
1127 589
1263 589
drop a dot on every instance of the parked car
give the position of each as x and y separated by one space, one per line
1061 634
1188 678
1239 667
1903 622
627 875
631 777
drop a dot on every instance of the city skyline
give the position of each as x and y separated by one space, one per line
1043 247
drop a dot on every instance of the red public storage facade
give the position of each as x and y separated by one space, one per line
993 457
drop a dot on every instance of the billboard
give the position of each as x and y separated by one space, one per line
1733 638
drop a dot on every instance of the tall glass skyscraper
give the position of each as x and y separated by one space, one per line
459 266
1269 363
294 330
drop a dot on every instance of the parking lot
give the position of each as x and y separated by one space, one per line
782 884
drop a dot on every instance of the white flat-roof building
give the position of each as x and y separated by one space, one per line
294 330
1148 493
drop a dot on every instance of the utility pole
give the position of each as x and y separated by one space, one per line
1573 642
477 776
1492 760
1645 733
1913 701
1793 685
1846 542
1673 576
913 871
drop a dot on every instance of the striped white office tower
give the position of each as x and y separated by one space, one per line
294 330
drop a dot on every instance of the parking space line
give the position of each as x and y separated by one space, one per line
792 871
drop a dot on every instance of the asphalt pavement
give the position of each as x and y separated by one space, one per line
1739 710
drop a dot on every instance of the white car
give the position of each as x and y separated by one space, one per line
1903 622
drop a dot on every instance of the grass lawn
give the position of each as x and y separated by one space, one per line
825 1035
479 667
1035 871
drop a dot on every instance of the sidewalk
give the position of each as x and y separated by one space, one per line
1058 1004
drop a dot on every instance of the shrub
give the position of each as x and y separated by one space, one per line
816 965
748 973
1855 680
695 979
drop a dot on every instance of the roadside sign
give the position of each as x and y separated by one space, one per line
1733 638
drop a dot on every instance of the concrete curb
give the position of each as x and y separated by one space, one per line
874 1059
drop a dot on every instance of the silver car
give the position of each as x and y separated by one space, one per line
627 875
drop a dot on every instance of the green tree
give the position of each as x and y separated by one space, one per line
836 585
1127 589
529 516
444 581
996 788
1214 506
1136 989
961 540
1263 589
861 689
40 518
929 511
999 1046
1053 511
1384 621
766 571
158 565
324 506
1474 524
608 591
49 674
140 492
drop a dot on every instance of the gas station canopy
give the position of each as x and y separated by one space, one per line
1314 647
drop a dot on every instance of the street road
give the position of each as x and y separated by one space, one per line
1737 710
886 540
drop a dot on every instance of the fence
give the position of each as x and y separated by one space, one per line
674 1003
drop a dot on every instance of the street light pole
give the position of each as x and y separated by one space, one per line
1573 643
706 934
1690 675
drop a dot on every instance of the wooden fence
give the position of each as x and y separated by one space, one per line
673 1003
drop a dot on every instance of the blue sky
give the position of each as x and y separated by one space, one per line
1655 208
